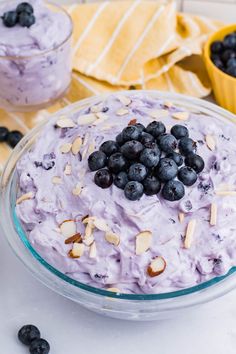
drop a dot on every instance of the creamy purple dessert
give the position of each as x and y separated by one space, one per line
98 236
35 61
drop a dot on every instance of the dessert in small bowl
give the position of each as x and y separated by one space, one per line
35 54
125 203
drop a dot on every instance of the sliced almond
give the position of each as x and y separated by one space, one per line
93 250
143 242
77 250
97 108
56 180
86 119
75 238
88 230
210 141
91 148
101 115
226 187
181 217
189 233
68 169
88 241
113 290
65 148
213 218
88 219
100 224
76 145
86 139
68 228
122 112
132 121
168 104
77 190
225 193
64 122
24 197
156 267
112 238
181 115
125 100
159 113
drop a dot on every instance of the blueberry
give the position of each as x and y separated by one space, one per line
231 62
150 157
179 131
26 20
167 142
3 133
132 149
14 137
166 169
133 190
173 190
218 63
140 127
119 139
28 333
130 133
121 180
153 146
137 172
227 54
25 7
109 147
151 185
156 128
117 163
103 178
217 47
10 19
231 71
97 160
146 138
187 175
187 146
196 162
39 346
178 159
230 41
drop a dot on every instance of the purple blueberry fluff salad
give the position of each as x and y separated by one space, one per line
35 58
173 231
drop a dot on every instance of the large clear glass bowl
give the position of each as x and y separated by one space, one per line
125 306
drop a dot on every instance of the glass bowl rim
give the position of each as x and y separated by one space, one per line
196 103
46 51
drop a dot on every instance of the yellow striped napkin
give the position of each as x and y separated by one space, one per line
118 45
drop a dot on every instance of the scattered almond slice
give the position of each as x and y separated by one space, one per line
213 218
156 267
125 100
97 108
226 187
210 141
181 115
102 116
189 233
86 119
56 180
88 219
68 169
68 228
132 121
86 139
24 197
168 104
65 148
77 190
181 217
88 241
159 113
93 250
113 290
64 122
122 112
112 238
77 250
225 193
76 145
101 225
91 148
84 153
75 238
143 242
88 230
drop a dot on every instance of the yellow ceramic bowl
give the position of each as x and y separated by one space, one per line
224 86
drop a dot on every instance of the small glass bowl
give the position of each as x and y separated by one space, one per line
33 82
123 306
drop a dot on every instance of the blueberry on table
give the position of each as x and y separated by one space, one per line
26 20
187 146
28 333
14 137
146 138
173 190
121 180
3 133
103 178
109 147
217 47
196 162
179 131
137 172
39 346
130 133
230 41
150 157
156 128
187 175
133 190
151 185
132 149
97 160
178 159
117 163
25 7
166 169
167 142
10 19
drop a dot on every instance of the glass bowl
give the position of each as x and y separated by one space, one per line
123 306
33 82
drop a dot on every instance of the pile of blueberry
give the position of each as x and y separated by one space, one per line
223 54
22 15
30 336
141 160
11 138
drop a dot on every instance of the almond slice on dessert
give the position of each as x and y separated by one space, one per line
225 193
75 238
86 139
100 224
112 238
156 267
189 233
213 217
86 119
76 145
77 250
68 228
132 121
97 108
113 290
122 112
64 122
91 148
77 190
93 250
88 230
181 217
56 180
181 115
102 116
65 148
125 100
143 242
159 113
24 197
168 104
210 141
68 169
88 241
